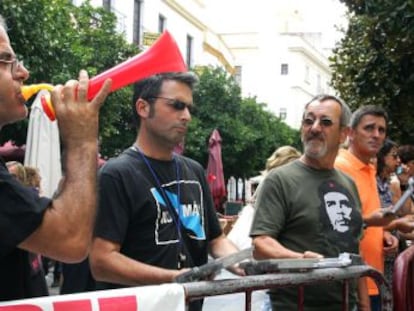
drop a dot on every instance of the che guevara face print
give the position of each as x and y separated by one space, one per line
338 208
339 216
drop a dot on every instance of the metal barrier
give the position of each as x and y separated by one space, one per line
173 295
249 284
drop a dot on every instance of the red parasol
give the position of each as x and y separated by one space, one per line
215 175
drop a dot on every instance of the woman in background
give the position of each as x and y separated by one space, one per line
388 161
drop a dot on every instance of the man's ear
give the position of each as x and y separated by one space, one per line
142 107
345 132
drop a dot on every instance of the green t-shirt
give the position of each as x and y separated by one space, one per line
307 209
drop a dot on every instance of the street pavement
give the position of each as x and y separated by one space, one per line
233 302
49 280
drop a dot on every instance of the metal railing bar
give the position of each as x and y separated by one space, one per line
195 290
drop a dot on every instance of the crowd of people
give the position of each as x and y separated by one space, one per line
153 217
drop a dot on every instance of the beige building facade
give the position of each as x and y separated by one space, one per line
273 48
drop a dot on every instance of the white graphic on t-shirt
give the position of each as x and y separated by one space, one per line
339 210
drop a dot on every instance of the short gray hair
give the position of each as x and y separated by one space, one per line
371 110
3 22
345 110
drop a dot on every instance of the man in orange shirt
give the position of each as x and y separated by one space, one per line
366 137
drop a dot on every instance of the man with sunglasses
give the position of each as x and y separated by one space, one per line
292 218
60 228
156 215
368 129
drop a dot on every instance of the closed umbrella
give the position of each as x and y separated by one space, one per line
215 174
43 147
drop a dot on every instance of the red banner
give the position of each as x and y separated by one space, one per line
147 298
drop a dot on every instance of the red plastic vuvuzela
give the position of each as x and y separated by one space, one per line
162 56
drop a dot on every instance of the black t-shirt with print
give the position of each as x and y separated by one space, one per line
134 211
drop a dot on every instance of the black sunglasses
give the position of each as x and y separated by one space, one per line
175 103
323 122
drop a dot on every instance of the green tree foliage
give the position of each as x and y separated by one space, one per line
56 39
249 133
374 63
